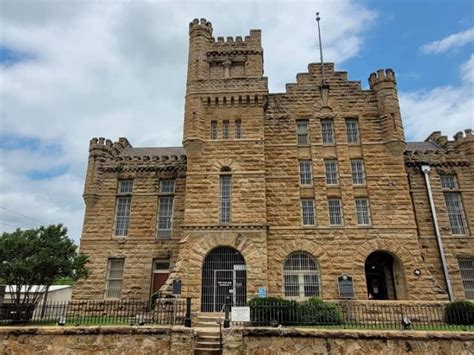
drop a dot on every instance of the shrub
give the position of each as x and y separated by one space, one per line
460 312
273 311
315 311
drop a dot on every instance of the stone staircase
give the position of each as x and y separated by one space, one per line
207 334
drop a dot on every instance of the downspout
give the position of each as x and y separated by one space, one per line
426 171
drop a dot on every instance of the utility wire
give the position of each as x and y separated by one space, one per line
21 214
10 225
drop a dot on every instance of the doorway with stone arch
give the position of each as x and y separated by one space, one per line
385 277
223 275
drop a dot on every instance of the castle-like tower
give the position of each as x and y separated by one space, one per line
279 194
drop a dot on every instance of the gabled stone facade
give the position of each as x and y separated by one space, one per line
234 127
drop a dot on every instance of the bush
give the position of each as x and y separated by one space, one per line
272 311
315 311
460 312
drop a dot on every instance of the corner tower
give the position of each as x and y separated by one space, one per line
224 140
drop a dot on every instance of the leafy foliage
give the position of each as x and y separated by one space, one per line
38 257
460 312
274 311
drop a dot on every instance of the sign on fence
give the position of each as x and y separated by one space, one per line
240 314
345 286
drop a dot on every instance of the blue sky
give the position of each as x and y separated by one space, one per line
70 71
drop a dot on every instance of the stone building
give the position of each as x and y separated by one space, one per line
285 194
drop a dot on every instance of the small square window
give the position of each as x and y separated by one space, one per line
125 186
167 186
448 181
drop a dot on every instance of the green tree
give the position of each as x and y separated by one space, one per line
38 257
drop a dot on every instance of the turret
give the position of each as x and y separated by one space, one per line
384 85
200 36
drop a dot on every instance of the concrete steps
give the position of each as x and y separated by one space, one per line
207 334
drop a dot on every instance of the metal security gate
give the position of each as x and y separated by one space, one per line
223 274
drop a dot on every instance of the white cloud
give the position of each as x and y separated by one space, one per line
467 70
444 45
448 109
118 69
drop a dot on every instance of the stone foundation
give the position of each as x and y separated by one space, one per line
180 340
312 341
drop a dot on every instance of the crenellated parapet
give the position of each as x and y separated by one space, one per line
106 148
381 77
438 150
198 25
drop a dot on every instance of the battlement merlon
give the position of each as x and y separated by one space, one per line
106 148
201 25
382 76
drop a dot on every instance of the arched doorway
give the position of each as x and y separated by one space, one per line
223 274
384 276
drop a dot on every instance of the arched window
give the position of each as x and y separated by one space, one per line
301 276
225 195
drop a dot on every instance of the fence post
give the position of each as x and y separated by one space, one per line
187 317
226 310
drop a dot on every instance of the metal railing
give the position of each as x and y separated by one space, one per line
361 316
165 311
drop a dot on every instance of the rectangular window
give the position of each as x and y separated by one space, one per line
292 285
358 174
352 128
225 130
165 216
306 174
125 186
114 278
167 186
307 211
122 208
213 129
303 132
331 172
225 198
448 181
238 129
455 212
335 211
467 275
327 131
363 212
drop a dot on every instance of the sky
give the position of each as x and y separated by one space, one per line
73 70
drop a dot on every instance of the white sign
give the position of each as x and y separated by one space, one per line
239 267
240 314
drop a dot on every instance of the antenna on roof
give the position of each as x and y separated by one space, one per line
323 80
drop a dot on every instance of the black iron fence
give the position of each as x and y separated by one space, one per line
165 311
367 315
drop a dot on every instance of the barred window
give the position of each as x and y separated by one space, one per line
327 131
455 212
352 128
114 278
167 186
467 275
225 130
358 174
331 172
448 181
307 212
125 186
303 132
301 276
306 174
213 129
122 208
335 211
363 212
165 216
225 198
238 129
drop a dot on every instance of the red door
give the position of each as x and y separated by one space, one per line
159 279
